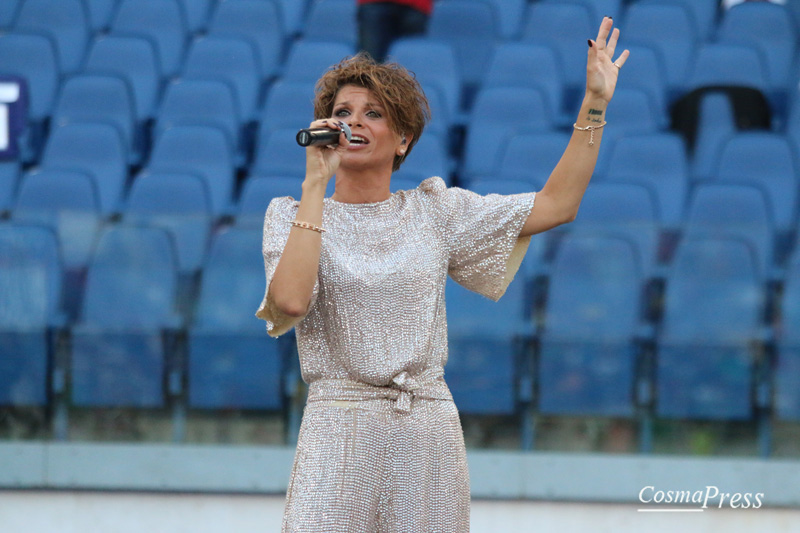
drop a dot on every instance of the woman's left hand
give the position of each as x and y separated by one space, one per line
601 70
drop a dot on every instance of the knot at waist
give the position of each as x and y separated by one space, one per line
403 389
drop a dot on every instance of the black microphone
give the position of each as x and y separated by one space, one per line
324 136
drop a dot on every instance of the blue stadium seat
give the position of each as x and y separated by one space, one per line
728 64
660 162
530 157
34 58
441 123
600 8
787 373
277 154
793 122
702 14
66 201
101 99
771 29
435 65
134 60
230 60
202 151
499 113
197 13
765 160
566 29
716 123
179 203
668 29
259 23
402 184
9 178
209 103
331 21
647 72
288 104
499 186
293 16
634 112
713 306
588 348
96 149
258 192
739 211
8 12
63 21
510 14
233 364
427 158
308 60
162 22
472 28
518 64
634 115
30 282
626 211
482 370
119 353
794 8
99 13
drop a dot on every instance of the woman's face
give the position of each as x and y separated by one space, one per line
374 144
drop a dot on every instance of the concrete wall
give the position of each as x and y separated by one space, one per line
121 512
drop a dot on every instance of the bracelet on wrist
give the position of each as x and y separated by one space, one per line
306 225
590 129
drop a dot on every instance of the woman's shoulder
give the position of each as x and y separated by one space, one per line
432 186
428 190
281 204
281 208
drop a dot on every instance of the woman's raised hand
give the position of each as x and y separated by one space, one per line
601 68
323 161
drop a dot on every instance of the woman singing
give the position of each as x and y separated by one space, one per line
361 275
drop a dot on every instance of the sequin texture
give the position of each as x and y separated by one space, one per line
380 446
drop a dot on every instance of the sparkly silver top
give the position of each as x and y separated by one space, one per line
377 313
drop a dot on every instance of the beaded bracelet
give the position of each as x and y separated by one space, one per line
306 225
590 129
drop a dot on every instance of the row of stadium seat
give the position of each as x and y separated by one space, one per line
592 354
84 168
757 51
672 294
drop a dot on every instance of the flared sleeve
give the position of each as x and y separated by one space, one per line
277 223
481 234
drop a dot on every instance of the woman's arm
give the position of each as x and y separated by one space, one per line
558 201
296 273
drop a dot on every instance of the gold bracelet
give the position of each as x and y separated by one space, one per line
306 225
590 129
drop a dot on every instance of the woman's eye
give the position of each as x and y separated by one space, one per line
374 114
340 113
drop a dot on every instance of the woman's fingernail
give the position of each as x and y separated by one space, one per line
590 42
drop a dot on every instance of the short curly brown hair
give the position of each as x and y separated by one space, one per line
396 88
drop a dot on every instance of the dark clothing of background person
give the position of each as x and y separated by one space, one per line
380 23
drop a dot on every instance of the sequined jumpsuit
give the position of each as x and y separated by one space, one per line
381 447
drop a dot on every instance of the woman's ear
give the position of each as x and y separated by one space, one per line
403 144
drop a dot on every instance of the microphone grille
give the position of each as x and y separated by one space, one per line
348 133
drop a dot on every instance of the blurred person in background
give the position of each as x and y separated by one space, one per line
381 22
361 276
